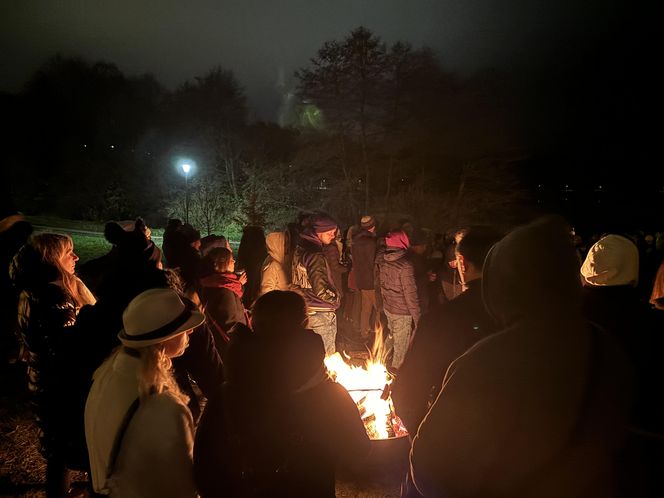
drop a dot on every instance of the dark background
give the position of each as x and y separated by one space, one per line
570 89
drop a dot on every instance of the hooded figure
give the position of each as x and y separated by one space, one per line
278 425
274 275
613 260
613 302
133 268
250 257
14 232
399 292
536 410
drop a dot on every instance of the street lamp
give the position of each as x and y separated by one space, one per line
186 168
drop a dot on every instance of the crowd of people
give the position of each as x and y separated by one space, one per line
525 365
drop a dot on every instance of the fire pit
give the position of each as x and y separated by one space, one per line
368 385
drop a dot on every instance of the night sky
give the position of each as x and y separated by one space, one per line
580 70
264 41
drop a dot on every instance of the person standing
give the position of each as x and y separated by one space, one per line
446 331
278 426
273 275
399 291
138 428
50 297
221 296
311 277
14 233
250 257
363 253
537 409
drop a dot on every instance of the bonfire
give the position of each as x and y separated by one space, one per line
369 386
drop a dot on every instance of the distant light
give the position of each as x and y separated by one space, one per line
85 146
186 167
112 146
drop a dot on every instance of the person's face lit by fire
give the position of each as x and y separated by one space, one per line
68 260
327 237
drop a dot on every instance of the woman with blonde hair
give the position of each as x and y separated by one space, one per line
50 297
138 428
58 250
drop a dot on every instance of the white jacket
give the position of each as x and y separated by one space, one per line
155 457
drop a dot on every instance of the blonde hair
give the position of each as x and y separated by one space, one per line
52 247
155 375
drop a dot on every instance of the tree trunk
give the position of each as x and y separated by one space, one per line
388 191
460 193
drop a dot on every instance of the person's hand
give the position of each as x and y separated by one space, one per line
432 276
243 278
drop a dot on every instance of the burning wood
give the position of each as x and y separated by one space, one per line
368 385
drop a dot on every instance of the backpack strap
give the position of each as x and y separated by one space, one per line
117 443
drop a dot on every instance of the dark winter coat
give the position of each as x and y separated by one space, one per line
278 421
537 409
311 275
250 257
363 253
221 297
337 270
443 334
619 311
46 318
98 325
13 235
397 284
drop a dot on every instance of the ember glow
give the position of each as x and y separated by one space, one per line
368 385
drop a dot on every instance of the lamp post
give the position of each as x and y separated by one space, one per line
186 167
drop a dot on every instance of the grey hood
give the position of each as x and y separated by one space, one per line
276 246
534 272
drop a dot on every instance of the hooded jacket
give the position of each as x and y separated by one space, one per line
444 334
278 420
221 296
155 453
364 254
397 283
538 409
52 351
273 275
612 260
311 274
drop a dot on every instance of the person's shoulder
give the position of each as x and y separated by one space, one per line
52 294
164 404
164 413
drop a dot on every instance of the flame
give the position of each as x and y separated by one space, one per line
368 385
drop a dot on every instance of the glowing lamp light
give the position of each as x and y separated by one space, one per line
188 168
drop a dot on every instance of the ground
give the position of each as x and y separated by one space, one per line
22 469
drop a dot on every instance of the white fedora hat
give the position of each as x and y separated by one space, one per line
155 316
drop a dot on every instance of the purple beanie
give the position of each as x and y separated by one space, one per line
323 223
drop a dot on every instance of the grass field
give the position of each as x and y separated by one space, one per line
88 245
